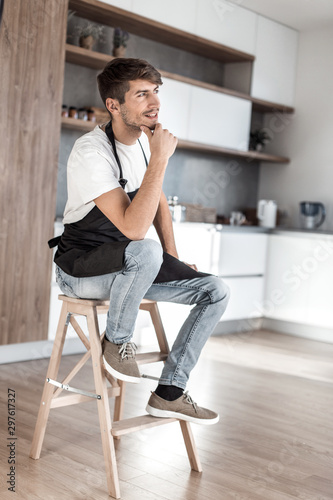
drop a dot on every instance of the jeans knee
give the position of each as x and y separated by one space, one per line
152 252
147 254
220 291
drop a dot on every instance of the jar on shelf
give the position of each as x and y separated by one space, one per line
91 115
72 112
82 114
64 111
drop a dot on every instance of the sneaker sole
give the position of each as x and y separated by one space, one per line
119 375
173 414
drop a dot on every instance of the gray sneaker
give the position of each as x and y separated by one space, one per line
119 361
183 408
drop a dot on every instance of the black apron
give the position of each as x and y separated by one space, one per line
94 246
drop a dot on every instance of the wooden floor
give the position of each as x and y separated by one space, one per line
274 440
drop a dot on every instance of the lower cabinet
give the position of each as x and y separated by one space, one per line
246 297
299 279
239 258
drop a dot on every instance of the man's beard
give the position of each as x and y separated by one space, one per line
133 125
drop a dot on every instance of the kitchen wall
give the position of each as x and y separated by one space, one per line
307 137
214 181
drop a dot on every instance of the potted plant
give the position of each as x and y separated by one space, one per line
120 38
88 34
258 139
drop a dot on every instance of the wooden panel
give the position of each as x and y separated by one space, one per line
32 44
153 30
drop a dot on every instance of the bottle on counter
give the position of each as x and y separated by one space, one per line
72 112
178 212
64 111
82 114
91 115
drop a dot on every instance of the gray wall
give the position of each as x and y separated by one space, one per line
215 181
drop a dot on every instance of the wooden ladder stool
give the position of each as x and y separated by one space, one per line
109 430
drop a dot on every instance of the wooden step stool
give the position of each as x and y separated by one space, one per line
119 427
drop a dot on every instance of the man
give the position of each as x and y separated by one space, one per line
115 176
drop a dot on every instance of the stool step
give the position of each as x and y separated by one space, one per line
150 357
138 423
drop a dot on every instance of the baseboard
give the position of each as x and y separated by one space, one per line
238 326
311 332
28 351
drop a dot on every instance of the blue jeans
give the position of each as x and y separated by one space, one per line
126 288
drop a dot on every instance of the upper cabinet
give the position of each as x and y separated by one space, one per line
122 4
226 23
180 15
219 119
204 116
175 100
274 68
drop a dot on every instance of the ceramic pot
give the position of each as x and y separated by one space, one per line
87 42
119 51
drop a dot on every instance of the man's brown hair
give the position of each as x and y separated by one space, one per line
114 80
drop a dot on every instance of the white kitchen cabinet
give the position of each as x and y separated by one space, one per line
239 254
299 279
175 100
239 258
274 69
219 119
193 241
246 296
122 4
226 23
180 15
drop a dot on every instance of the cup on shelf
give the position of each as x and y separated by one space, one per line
237 218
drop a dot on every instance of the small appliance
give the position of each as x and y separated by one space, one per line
266 213
312 214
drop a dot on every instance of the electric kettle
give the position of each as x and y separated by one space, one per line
312 214
266 213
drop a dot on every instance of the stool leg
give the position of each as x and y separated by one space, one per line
103 405
47 395
159 329
119 402
190 446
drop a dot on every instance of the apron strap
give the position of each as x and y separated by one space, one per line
110 134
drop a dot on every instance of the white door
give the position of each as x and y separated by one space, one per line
274 68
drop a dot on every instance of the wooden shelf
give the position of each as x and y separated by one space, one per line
80 125
100 12
87 126
96 60
249 155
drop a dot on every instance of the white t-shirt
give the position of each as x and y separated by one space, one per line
92 170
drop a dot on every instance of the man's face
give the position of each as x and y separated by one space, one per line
141 105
